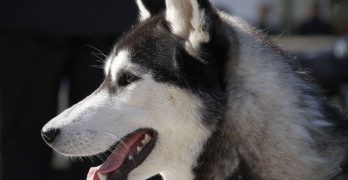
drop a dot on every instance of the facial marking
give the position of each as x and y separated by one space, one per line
107 66
143 12
118 63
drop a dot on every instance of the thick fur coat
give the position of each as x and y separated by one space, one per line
225 102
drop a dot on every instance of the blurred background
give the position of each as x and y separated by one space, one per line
315 31
52 51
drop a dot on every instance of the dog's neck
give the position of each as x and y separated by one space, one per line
226 163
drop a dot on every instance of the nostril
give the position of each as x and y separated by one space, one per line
50 134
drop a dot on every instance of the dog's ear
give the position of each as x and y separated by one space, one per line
192 20
148 8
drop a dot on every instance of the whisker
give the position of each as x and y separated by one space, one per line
100 57
101 53
97 66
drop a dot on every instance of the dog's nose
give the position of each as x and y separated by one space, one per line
50 134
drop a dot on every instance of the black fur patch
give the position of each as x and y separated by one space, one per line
162 53
243 172
154 47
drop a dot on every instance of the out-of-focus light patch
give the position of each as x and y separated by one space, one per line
340 50
337 8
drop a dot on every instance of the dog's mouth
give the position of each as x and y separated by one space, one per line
126 155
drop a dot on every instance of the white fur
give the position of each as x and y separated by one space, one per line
187 21
179 14
198 35
118 62
265 123
107 66
80 133
287 127
143 12
97 122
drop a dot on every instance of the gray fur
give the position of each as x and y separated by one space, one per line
226 103
275 125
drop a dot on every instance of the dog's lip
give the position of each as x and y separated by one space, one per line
119 163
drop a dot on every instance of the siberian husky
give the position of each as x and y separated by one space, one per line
193 93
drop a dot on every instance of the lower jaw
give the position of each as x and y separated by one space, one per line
130 164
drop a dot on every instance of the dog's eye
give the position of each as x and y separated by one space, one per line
127 78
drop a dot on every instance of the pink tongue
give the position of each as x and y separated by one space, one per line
114 161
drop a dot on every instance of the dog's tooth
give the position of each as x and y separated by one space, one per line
102 176
130 157
139 148
143 142
146 139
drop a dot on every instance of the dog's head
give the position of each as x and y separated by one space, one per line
161 99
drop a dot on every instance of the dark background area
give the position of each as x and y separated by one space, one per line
49 52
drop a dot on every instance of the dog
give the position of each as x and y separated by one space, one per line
193 93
